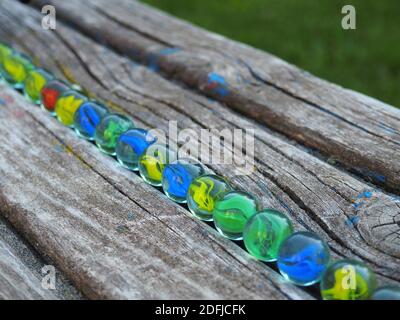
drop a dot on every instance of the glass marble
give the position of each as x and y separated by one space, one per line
265 232
386 293
4 52
178 176
131 145
303 257
34 83
108 131
88 117
347 280
232 211
66 106
203 192
50 93
15 68
153 161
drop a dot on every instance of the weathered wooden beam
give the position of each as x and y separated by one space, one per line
22 271
81 209
17 278
17 282
318 196
360 132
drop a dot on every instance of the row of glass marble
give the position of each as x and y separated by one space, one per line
302 257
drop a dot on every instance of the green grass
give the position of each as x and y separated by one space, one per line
308 33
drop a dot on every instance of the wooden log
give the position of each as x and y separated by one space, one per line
23 270
360 132
112 234
18 282
17 279
286 177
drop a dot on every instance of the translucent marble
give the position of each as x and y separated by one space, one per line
232 211
178 176
203 192
387 293
303 257
4 52
264 233
15 69
153 161
131 145
108 131
34 83
347 280
50 93
66 106
88 117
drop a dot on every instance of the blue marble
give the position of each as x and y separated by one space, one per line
177 177
131 145
302 258
87 117
386 293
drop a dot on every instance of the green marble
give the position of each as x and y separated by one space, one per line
108 131
386 293
347 280
265 232
153 161
203 192
232 211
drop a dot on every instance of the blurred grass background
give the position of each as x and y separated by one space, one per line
308 33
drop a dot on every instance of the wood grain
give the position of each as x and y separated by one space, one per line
17 281
112 234
360 132
316 195
23 270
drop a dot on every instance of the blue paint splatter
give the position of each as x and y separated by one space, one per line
152 62
375 176
357 204
367 194
379 177
364 194
2 102
169 51
217 84
215 77
153 58
352 221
